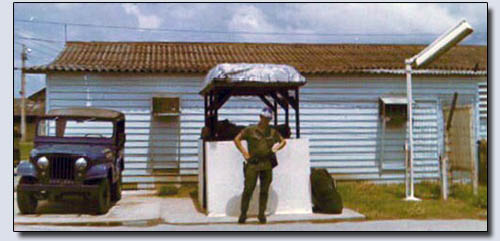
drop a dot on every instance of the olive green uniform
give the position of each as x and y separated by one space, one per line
260 143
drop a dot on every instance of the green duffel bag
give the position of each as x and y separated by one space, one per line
325 197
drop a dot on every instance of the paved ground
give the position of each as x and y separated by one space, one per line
392 225
135 207
144 208
184 211
138 209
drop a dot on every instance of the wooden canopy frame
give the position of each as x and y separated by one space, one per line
216 96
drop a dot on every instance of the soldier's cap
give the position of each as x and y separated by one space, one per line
267 112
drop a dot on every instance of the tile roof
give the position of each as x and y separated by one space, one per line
188 57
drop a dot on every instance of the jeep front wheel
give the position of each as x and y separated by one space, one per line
26 201
103 197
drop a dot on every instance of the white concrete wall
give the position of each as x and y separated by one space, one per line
290 190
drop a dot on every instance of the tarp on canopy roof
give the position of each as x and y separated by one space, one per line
265 74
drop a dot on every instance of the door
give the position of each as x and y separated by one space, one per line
164 146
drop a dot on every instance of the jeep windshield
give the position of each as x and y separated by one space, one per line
75 127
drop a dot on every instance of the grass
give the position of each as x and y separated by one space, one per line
378 201
386 201
25 149
170 190
167 190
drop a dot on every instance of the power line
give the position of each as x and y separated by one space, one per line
221 32
39 56
42 40
39 53
46 45
39 50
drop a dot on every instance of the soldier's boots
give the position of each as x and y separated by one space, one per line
242 219
262 219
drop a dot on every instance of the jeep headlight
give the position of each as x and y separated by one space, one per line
81 163
42 162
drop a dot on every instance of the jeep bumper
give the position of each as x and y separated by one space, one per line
58 188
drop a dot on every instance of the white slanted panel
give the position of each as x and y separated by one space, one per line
290 190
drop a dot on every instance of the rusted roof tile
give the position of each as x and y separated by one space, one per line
200 57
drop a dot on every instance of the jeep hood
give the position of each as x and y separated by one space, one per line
90 151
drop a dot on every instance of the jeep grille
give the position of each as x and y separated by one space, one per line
62 167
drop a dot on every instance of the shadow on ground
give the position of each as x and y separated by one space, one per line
68 205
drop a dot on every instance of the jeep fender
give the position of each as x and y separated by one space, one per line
98 171
26 169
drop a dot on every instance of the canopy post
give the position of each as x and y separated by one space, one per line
206 110
286 116
275 113
211 115
286 98
297 121
215 115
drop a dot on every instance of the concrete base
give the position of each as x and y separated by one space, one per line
183 211
143 208
135 208
223 169
412 199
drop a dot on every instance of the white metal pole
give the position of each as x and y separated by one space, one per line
408 63
444 176
407 177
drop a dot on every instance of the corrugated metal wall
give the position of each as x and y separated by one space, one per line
339 114
482 89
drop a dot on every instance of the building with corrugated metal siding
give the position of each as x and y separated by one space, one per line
156 86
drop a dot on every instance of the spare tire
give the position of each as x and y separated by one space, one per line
325 197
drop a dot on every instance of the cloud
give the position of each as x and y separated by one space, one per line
248 18
145 21
372 17
66 6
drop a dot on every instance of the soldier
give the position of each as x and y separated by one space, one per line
261 140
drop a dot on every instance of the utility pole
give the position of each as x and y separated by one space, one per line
24 57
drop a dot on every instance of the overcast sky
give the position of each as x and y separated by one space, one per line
390 23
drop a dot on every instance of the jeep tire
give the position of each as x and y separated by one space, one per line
26 201
116 195
103 197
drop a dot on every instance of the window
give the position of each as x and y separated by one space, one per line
165 106
59 127
393 110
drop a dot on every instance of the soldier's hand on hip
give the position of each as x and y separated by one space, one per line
246 155
276 147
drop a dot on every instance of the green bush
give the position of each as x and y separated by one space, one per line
481 201
465 193
25 149
483 162
167 190
428 190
